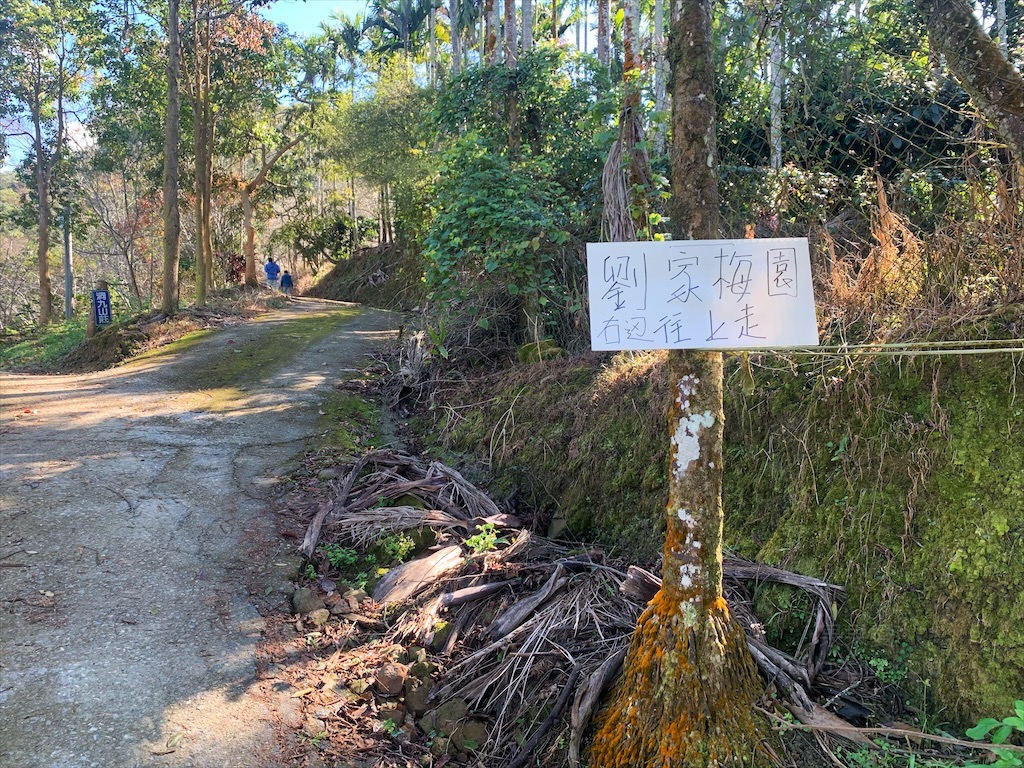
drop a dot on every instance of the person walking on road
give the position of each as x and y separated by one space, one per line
286 283
272 270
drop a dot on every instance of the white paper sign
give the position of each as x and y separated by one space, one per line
701 294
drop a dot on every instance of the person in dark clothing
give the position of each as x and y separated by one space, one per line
286 283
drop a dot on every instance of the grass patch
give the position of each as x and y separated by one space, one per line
42 350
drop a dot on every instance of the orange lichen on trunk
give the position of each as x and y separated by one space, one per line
688 687
686 696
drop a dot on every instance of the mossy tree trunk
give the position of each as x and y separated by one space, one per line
687 691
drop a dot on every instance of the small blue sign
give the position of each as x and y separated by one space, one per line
101 307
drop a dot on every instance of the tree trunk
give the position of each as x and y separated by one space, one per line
510 34
994 84
688 687
603 33
454 8
133 277
554 20
198 146
432 64
43 244
527 25
660 74
775 105
171 215
69 258
491 38
249 237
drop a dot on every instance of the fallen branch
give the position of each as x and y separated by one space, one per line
563 698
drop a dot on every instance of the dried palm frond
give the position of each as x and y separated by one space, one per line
366 526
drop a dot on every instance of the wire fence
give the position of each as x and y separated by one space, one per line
846 127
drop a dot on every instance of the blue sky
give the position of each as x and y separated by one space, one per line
303 17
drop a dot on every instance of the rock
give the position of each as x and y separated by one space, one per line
358 686
289 710
289 566
330 473
319 617
469 736
395 714
416 694
442 631
423 669
439 746
390 679
305 601
415 653
314 727
445 718
356 596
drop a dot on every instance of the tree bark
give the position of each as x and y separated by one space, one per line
171 214
43 244
491 44
510 34
246 191
689 684
69 258
456 34
995 85
603 33
527 25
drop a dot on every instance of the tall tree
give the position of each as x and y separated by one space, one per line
687 691
44 57
172 127
248 188
603 33
527 25
510 33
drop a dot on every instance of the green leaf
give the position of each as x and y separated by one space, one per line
484 323
980 731
1001 734
513 289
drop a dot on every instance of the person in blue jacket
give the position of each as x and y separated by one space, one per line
271 270
286 283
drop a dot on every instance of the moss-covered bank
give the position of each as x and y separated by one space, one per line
902 478
389 276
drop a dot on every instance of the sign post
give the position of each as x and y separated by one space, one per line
701 294
100 311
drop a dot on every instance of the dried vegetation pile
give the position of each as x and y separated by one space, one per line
492 645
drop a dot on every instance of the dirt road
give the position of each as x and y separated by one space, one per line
134 521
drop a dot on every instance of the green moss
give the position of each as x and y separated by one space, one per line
350 423
905 483
902 479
